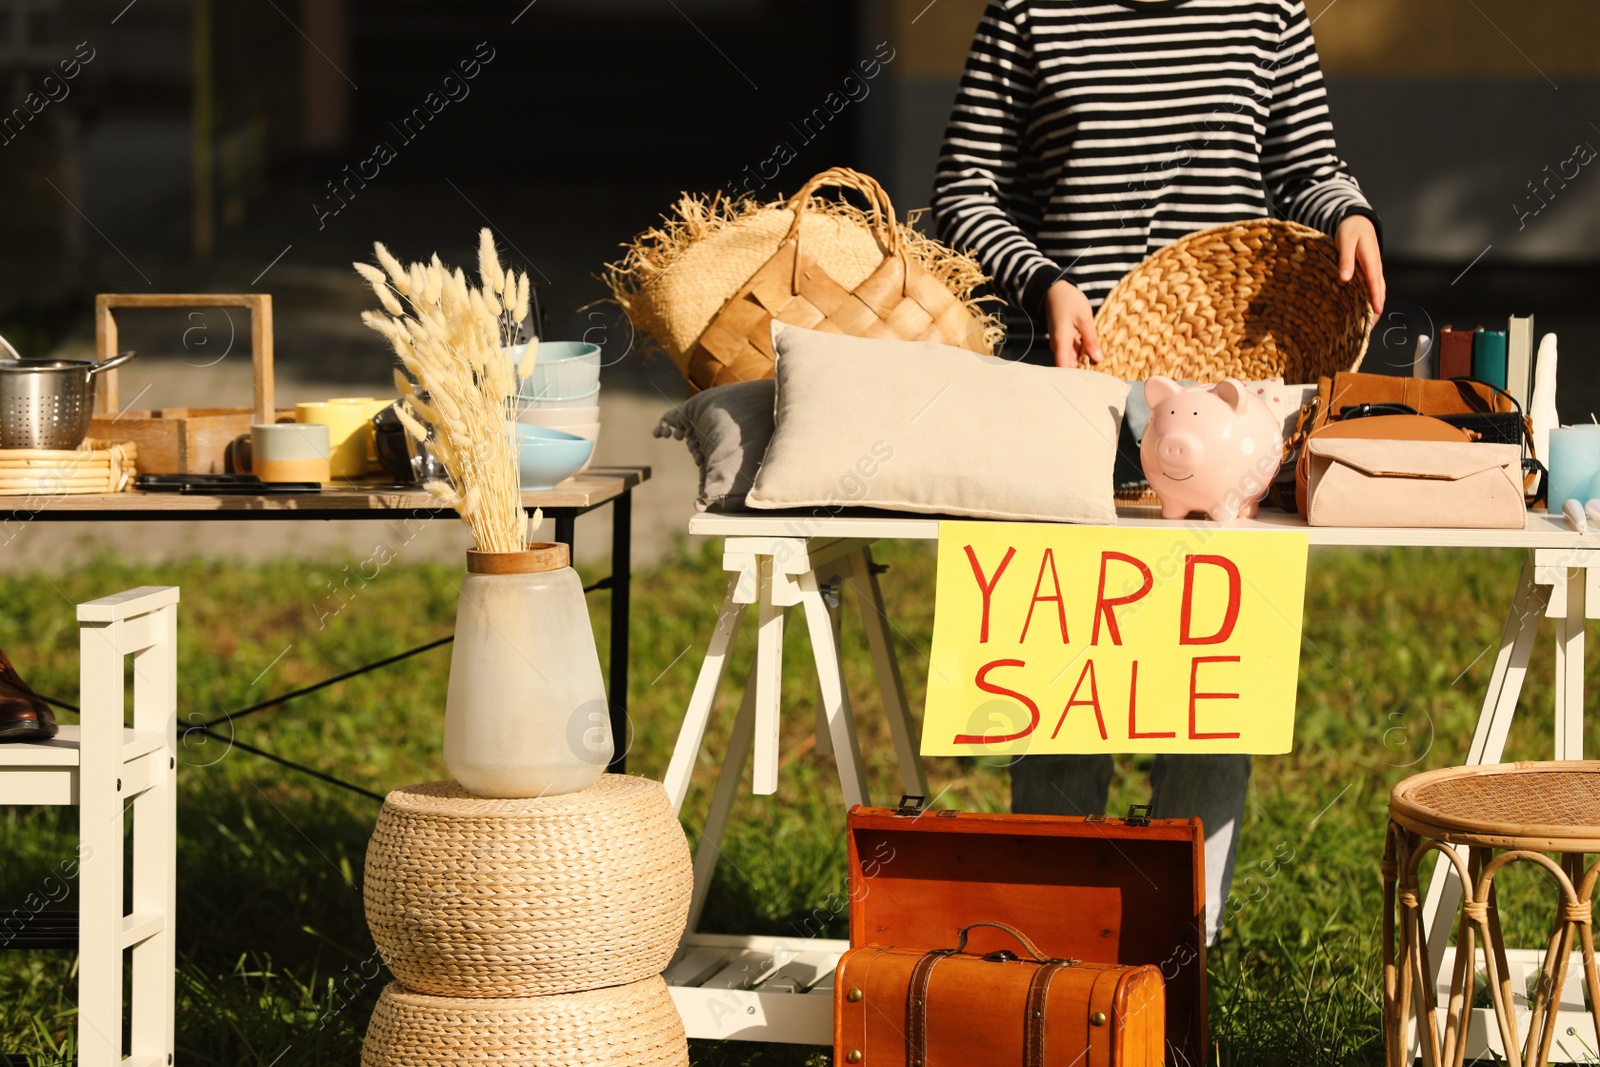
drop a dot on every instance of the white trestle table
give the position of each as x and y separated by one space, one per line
778 989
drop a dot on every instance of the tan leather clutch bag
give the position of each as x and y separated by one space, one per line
1376 472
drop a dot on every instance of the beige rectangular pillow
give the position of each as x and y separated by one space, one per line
924 427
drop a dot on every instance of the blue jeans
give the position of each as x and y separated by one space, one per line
1212 787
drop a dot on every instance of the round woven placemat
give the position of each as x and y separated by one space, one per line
1537 799
633 1025
1248 300
475 897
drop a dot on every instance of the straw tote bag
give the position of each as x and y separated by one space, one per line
899 300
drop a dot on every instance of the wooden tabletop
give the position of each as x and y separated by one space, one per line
585 492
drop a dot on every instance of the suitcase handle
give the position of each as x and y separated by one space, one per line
1033 950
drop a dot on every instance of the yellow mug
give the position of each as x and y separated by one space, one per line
350 438
371 405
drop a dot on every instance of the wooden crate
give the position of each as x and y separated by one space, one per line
182 440
177 440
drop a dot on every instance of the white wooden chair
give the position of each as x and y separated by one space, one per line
104 766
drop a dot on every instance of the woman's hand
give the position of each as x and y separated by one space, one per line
1071 324
1357 240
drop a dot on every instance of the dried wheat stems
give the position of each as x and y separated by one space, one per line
457 381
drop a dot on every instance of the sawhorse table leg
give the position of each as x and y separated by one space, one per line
775 575
1554 582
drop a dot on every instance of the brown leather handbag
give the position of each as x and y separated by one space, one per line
902 1008
1487 413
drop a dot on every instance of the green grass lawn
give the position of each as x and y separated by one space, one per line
272 939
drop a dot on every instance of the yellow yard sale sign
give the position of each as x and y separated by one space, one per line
1092 639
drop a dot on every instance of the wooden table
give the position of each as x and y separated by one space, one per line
723 984
595 488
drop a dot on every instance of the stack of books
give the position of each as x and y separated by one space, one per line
1503 358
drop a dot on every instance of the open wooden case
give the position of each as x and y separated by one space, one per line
1104 890
183 440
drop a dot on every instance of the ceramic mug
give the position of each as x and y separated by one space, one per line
370 406
349 431
290 452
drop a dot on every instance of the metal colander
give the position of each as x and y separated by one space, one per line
47 403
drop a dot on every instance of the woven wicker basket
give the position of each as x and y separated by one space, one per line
92 467
633 1025
472 897
1249 300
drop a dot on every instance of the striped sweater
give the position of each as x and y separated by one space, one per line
1087 134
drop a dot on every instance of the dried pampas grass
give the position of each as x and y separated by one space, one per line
457 382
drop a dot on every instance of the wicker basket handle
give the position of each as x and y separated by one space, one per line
884 230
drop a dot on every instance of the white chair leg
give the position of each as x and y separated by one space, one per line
155 851
152 998
709 850
100 840
875 620
693 732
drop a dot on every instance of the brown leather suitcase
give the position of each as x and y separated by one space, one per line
1127 892
949 1006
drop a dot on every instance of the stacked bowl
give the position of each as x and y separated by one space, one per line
557 412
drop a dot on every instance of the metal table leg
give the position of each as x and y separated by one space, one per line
621 579
566 528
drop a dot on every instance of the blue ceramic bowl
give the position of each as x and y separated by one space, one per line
546 458
563 370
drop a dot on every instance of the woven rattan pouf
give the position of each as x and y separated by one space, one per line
472 897
1502 814
634 1025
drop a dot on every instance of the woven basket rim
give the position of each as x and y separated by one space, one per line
448 798
1124 293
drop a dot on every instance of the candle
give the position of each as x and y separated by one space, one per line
1574 462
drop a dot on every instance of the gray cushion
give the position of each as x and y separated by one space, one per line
727 430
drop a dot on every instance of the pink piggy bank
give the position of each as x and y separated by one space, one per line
1211 448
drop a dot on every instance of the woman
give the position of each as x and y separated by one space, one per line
1086 135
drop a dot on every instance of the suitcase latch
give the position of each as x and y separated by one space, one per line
1002 956
1138 815
911 805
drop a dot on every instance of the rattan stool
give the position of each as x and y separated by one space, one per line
1501 814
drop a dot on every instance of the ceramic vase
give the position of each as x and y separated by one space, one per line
526 714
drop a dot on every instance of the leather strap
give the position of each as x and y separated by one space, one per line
1033 1021
917 1007
1103 1040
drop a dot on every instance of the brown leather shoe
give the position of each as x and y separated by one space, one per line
24 716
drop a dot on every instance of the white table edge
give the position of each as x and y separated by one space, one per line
1542 531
